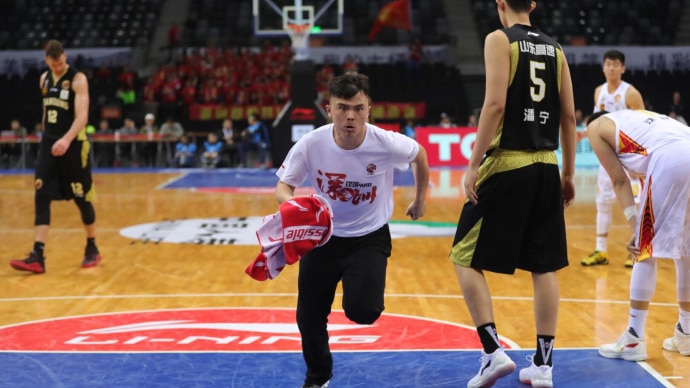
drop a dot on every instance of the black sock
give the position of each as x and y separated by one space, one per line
91 244
38 248
544 348
489 337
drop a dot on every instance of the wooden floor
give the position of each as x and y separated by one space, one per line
145 276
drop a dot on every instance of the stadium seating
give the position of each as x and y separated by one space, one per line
27 24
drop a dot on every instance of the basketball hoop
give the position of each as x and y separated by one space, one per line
299 35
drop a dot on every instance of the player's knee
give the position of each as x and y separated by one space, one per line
363 315
88 214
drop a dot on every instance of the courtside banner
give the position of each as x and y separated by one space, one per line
447 147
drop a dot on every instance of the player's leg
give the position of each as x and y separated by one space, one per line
319 274
631 346
604 203
47 187
680 342
76 169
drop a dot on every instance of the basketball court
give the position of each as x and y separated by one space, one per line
170 304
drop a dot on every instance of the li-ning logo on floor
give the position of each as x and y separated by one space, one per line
229 330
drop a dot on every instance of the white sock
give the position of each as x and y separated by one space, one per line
603 225
602 243
684 320
638 320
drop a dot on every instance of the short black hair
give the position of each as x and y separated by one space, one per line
519 5
596 115
348 85
615 55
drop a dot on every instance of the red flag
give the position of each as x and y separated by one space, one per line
395 14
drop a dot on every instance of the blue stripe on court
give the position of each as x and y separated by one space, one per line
573 368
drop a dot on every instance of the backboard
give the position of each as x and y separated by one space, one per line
272 16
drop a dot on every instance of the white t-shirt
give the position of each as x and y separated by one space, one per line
357 183
611 102
641 133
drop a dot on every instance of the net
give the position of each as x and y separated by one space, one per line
299 35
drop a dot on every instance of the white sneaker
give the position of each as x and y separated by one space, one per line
493 367
627 347
680 342
537 376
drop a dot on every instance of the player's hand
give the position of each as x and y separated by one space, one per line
470 182
60 147
633 249
416 210
568 188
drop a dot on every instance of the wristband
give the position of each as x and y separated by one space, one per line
630 212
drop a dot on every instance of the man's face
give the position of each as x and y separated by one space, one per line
613 69
57 66
349 116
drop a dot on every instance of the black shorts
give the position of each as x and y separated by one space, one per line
518 221
68 176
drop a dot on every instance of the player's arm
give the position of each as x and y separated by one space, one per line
568 130
497 64
602 139
582 134
420 170
633 99
81 106
284 192
43 115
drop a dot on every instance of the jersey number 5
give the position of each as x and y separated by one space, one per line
538 88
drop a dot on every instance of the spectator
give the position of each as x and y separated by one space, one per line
472 121
104 151
254 138
229 137
171 129
410 130
124 148
148 151
677 105
14 149
677 117
212 149
185 151
445 121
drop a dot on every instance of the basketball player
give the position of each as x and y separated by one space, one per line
63 166
654 146
529 96
613 95
350 163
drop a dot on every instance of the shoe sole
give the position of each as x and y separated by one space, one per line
21 267
538 384
605 262
673 348
91 264
626 357
500 372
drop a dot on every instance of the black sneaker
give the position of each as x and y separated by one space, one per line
91 259
33 263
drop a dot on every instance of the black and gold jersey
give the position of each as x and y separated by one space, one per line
58 101
531 119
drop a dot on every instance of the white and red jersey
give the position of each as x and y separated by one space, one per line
357 183
611 102
640 133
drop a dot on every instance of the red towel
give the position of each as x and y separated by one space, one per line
300 225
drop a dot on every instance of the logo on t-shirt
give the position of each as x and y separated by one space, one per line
338 188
